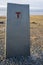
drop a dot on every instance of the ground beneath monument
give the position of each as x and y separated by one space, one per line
36 45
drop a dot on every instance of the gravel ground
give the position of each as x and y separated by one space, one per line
22 61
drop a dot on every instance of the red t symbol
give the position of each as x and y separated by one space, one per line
18 13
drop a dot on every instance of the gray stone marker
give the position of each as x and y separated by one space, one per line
18 30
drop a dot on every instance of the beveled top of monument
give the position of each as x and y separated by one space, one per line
17 4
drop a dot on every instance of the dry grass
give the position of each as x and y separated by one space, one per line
36 36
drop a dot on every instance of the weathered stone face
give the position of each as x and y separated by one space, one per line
18 30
